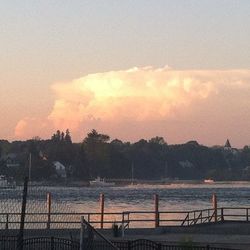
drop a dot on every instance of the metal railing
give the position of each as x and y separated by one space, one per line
153 245
128 219
54 243
90 238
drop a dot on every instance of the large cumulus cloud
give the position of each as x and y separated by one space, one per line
142 102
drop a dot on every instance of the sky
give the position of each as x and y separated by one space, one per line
131 69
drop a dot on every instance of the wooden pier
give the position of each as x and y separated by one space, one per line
129 219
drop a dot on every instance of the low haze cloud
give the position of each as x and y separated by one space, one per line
206 105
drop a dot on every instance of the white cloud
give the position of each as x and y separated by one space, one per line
141 95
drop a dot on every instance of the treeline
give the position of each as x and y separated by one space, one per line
97 155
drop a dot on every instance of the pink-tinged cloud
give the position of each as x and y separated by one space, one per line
144 102
32 127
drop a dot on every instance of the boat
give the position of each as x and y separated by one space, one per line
208 181
100 182
6 183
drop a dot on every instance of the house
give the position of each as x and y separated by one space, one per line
186 164
11 160
60 169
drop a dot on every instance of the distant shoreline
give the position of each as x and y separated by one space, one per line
136 183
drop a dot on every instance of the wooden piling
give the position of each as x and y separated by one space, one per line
222 214
23 213
214 201
102 210
82 233
49 209
156 202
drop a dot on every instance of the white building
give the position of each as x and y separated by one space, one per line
60 169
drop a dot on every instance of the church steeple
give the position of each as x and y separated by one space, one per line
227 144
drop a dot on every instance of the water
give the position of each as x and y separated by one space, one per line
140 197
177 197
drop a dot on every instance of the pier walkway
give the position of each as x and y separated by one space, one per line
223 227
227 234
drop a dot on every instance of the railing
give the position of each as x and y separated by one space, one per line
50 243
92 239
152 245
200 217
129 219
61 220
54 243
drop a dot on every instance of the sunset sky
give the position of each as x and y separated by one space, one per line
132 69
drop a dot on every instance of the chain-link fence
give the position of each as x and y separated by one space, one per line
39 212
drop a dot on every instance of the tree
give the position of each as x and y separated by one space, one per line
67 137
95 137
96 148
158 140
57 136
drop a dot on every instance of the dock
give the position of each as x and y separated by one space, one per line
215 228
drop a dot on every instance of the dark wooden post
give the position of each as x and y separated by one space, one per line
52 243
49 209
156 201
214 201
7 221
82 231
24 201
222 214
102 209
129 245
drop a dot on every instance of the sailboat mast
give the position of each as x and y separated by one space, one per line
132 173
166 170
30 167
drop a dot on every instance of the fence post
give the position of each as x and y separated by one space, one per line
102 209
24 201
156 201
7 221
214 201
222 214
52 247
128 219
81 232
159 246
129 245
123 225
49 209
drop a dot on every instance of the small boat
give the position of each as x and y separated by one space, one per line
208 181
99 182
6 184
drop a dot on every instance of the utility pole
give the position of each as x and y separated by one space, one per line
132 174
30 162
23 212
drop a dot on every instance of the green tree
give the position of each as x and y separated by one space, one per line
67 137
158 140
96 148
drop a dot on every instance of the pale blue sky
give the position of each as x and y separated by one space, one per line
68 38
48 41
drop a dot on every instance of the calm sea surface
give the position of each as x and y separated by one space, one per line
176 197
140 197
